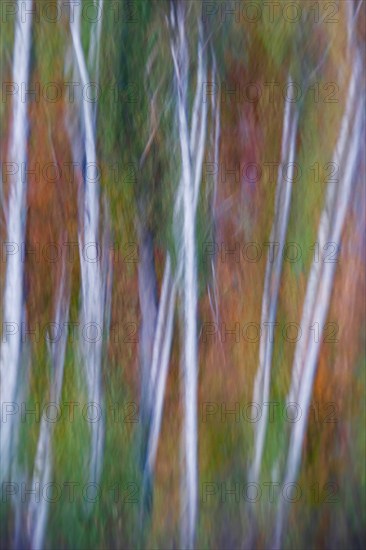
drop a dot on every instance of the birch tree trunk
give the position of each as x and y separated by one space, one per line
94 273
37 513
192 145
13 307
321 278
273 280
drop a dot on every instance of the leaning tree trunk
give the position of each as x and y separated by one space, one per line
42 475
273 280
148 307
321 278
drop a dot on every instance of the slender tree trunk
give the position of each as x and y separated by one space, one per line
94 274
159 373
273 281
13 316
188 193
42 475
148 307
320 284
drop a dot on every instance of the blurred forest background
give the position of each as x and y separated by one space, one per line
150 151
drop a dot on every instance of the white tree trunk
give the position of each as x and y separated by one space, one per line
149 313
273 280
13 310
320 284
192 145
94 275
42 475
